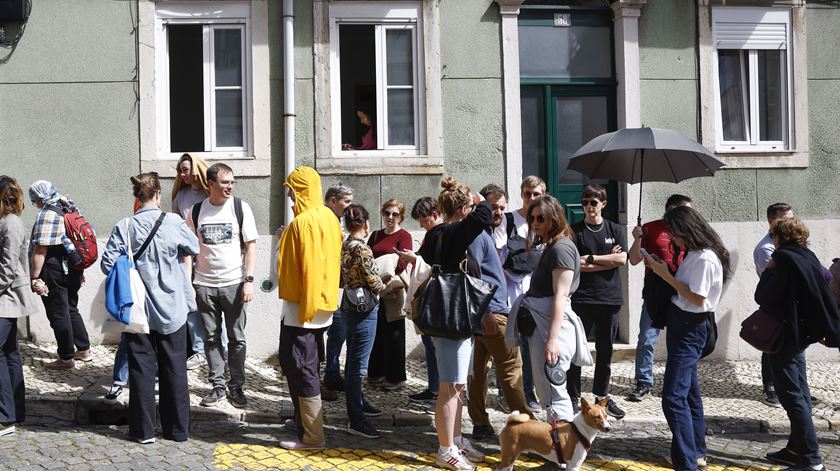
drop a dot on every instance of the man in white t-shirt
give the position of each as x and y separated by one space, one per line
506 226
224 280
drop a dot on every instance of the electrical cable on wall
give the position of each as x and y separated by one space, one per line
14 14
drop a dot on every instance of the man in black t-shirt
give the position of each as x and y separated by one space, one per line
599 297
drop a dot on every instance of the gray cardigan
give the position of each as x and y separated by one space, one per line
16 297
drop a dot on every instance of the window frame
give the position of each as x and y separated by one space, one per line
251 16
425 157
795 154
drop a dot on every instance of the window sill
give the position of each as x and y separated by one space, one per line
242 166
419 165
747 158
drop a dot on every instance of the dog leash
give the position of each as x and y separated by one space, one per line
555 439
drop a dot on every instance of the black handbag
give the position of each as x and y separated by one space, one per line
453 304
357 300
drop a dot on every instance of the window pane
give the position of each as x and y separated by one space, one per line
186 88
733 88
401 117
357 58
399 56
227 55
579 119
574 51
228 118
771 93
533 132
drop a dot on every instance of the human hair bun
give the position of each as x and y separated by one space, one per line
449 184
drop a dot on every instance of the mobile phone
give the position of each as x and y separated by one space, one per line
645 252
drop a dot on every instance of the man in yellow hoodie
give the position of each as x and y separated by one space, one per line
308 271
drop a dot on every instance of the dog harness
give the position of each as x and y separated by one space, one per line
555 439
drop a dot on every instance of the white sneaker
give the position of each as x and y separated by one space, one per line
468 450
450 459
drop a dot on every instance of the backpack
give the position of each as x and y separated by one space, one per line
79 239
519 260
237 210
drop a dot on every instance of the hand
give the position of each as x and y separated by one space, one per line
279 231
616 249
346 146
637 232
658 266
247 292
39 287
552 351
407 256
476 198
490 324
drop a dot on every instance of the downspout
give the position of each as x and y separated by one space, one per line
288 98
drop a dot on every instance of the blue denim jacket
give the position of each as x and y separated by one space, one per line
168 292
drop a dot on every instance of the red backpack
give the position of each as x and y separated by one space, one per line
82 251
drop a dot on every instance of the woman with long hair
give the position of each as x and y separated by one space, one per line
15 302
165 267
698 283
794 291
465 217
544 313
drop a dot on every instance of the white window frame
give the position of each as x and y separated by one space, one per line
792 151
423 157
750 88
251 17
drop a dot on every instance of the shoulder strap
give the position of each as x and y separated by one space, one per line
195 211
511 227
151 235
237 210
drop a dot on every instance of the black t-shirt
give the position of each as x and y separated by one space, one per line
601 287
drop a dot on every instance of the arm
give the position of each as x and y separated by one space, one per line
603 262
113 248
369 269
403 243
464 232
561 279
661 268
250 261
635 253
11 240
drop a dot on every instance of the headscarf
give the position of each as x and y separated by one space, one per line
198 170
310 249
45 192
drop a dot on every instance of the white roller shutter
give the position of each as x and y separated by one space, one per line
751 28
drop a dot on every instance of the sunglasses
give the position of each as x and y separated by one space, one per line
531 194
538 217
386 214
592 203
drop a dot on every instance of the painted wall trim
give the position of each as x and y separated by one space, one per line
509 10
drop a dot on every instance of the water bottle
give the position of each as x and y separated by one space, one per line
73 255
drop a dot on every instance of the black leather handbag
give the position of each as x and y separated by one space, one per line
357 300
453 304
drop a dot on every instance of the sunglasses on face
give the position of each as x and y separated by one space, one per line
532 194
592 203
393 215
538 217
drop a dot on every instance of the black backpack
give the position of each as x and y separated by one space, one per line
237 209
519 260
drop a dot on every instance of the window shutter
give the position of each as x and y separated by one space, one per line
751 28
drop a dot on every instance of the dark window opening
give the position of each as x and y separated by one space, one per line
186 88
357 56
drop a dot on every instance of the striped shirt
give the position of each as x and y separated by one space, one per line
48 228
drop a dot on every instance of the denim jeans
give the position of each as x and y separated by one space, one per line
431 364
681 400
791 381
644 349
120 376
336 335
361 331
195 326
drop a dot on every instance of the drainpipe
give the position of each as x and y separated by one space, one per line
288 98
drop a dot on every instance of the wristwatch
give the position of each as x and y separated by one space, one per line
249 279
590 259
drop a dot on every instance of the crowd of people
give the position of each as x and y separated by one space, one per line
556 284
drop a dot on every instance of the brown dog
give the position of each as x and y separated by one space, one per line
523 434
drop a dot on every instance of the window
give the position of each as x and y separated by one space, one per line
204 84
751 47
376 79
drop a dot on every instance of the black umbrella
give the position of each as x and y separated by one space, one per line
637 155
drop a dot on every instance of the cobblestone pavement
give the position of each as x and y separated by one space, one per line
230 446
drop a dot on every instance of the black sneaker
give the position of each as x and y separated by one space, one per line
216 395
425 396
363 429
370 411
783 456
771 398
642 390
335 384
612 408
114 394
480 432
237 398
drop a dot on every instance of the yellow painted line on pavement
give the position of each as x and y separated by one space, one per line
256 457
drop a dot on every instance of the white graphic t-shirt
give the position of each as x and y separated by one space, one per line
220 258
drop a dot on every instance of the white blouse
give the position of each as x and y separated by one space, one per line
702 273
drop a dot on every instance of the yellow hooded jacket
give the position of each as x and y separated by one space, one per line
308 267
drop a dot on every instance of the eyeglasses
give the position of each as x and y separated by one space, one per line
538 217
386 214
531 194
592 203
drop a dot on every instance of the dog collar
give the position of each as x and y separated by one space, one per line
555 439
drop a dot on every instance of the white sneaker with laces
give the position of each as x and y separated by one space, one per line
468 450
453 459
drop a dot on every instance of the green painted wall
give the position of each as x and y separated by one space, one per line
670 97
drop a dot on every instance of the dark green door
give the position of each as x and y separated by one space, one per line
567 97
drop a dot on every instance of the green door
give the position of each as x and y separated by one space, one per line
567 97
